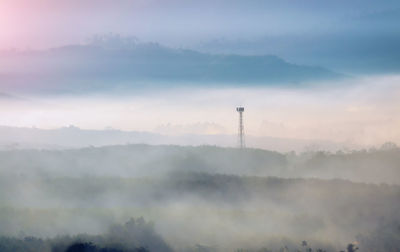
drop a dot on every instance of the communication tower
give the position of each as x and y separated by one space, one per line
241 143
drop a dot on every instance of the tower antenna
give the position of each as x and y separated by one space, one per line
241 128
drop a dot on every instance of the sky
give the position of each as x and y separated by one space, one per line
357 40
46 23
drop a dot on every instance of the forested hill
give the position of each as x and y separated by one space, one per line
372 166
295 208
246 198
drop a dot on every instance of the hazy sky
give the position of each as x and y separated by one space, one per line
362 110
48 23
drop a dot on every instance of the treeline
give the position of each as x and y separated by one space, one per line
141 160
306 207
136 235
214 188
372 166
206 195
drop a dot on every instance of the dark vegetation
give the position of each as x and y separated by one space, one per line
201 199
135 233
135 236
371 166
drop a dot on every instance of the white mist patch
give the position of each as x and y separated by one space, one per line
363 111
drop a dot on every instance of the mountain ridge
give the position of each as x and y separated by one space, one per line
73 137
94 67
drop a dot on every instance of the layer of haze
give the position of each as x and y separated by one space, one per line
221 198
356 112
304 71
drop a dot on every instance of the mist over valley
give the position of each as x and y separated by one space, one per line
199 126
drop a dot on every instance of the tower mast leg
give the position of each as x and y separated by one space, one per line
241 127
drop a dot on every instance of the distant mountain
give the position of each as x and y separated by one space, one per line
73 137
349 52
94 66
